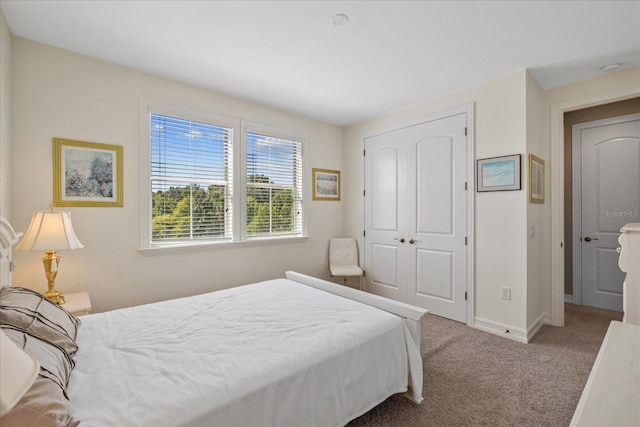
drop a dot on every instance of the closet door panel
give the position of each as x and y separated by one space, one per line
387 257
435 185
435 274
384 189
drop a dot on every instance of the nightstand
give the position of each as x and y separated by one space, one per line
77 303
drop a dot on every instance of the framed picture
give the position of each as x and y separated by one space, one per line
87 174
536 179
499 173
326 184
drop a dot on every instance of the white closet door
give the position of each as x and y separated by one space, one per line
416 215
385 221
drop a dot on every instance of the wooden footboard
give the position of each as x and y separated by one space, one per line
410 313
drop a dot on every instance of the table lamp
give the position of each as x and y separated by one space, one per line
50 232
18 370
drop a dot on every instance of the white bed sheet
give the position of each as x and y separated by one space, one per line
275 353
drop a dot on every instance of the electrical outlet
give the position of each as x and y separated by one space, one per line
505 293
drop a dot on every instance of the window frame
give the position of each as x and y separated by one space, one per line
249 127
240 129
173 176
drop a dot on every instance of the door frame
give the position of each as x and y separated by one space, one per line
467 109
576 150
557 185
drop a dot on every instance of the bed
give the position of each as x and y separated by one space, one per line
285 352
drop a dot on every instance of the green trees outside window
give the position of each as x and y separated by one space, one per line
189 212
192 183
194 212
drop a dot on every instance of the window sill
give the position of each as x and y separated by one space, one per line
212 246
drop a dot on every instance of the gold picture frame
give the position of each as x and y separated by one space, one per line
326 184
536 179
87 174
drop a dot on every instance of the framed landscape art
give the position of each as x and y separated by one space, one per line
499 173
87 174
326 184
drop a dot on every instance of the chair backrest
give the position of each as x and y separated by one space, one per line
343 251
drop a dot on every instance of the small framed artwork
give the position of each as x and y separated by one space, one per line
499 173
536 179
326 184
87 174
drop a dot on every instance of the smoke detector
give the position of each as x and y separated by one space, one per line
340 19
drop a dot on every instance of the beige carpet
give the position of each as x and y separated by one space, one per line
476 378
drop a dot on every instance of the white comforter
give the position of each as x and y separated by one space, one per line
275 353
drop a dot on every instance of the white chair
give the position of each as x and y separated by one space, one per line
343 258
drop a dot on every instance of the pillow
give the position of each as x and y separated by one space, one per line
28 311
46 402
55 363
27 417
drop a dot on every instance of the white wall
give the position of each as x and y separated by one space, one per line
500 217
538 215
5 117
57 93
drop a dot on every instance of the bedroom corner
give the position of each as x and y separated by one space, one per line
110 267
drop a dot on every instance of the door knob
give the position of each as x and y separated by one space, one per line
413 241
588 239
401 240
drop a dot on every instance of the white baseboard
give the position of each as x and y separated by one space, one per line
512 332
568 299
501 329
543 319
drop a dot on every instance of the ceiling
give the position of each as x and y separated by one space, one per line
390 54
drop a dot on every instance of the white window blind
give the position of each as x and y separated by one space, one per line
274 186
191 180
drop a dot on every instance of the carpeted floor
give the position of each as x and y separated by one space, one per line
473 378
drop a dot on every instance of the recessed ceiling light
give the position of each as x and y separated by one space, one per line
340 19
611 67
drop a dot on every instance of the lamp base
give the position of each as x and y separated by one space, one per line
51 262
54 296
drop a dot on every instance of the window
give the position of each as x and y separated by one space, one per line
191 180
197 192
274 186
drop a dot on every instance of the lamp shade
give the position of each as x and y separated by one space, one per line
18 370
49 231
